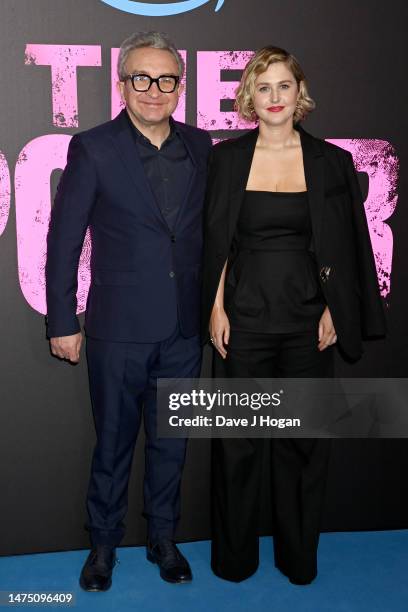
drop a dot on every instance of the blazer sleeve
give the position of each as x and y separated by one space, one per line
215 225
214 210
372 313
70 217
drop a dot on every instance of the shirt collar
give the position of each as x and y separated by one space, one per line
143 139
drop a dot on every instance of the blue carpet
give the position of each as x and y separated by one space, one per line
358 572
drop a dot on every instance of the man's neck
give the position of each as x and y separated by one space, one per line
156 133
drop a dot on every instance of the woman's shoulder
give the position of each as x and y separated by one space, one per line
328 149
332 149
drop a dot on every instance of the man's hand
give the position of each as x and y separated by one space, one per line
327 333
67 347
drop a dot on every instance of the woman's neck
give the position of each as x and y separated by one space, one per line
277 136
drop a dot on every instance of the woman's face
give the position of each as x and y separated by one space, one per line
275 96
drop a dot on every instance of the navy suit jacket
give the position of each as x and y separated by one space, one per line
143 275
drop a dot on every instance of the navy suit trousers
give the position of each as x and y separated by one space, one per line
122 377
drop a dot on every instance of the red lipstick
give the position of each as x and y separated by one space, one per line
275 109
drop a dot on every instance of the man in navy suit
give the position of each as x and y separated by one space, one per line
138 182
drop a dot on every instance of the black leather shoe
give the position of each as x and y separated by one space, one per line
173 565
96 574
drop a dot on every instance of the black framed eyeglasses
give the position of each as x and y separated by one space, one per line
166 83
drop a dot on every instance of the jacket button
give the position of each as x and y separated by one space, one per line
173 238
172 274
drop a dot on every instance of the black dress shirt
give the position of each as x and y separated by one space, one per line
168 170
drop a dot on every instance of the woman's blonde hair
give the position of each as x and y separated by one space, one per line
258 64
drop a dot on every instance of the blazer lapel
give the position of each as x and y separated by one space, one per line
313 163
193 156
129 155
241 166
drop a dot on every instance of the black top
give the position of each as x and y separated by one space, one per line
272 284
168 170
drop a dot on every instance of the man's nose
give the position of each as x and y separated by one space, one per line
154 90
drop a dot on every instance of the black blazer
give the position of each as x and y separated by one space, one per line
143 275
341 240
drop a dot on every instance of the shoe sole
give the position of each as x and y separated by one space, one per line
90 590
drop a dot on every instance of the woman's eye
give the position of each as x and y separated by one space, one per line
264 89
285 86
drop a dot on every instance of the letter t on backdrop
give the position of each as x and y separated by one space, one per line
64 60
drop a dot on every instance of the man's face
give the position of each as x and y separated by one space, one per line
151 107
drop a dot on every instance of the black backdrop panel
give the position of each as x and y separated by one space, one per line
354 56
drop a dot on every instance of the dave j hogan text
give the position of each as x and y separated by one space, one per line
222 421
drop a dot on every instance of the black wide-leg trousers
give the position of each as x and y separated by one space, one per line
299 466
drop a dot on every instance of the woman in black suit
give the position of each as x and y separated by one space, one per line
288 272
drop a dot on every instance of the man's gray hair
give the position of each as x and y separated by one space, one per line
138 40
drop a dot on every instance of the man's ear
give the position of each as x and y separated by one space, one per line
120 86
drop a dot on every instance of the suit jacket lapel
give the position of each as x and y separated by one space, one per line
193 156
241 166
129 155
313 163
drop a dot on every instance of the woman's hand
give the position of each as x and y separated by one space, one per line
327 333
219 329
